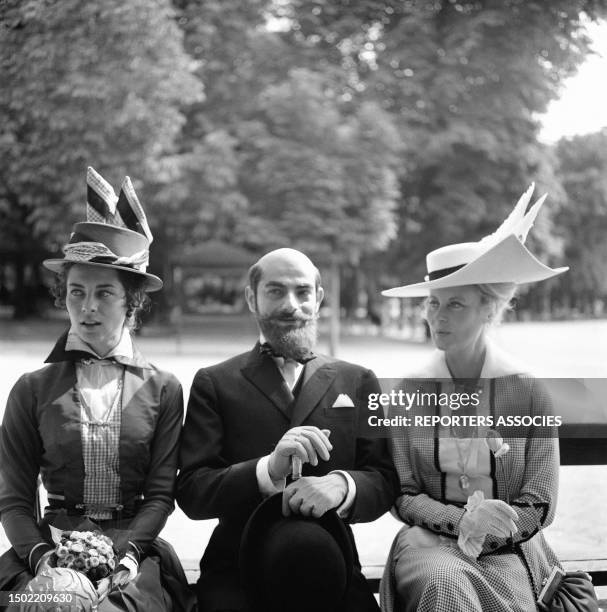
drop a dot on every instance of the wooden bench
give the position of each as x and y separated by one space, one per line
579 445
585 444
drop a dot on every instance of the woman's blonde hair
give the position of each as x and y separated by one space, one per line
499 296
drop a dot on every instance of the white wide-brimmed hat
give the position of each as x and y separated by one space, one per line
115 235
498 258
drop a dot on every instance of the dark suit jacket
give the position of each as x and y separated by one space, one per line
237 412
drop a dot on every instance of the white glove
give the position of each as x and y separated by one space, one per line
44 562
125 572
488 516
471 545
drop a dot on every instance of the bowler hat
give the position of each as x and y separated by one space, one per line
295 563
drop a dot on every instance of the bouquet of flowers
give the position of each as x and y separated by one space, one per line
88 552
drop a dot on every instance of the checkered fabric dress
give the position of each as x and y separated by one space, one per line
100 434
435 575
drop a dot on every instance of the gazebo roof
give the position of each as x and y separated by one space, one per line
215 255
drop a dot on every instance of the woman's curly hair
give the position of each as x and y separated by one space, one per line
137 300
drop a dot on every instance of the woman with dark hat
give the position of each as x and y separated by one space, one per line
474 505
99 424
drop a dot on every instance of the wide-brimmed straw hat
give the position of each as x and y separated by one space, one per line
498 258
115 235
295 563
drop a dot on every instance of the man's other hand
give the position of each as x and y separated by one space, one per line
314 495
306 442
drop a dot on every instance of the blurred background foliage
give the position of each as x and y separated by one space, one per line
364 132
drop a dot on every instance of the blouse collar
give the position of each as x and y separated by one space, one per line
123 349
70 347
497 364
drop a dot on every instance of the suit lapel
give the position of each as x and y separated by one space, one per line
262 372
319 375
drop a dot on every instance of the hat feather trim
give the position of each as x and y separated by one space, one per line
100 198
517 223
131 211
529 219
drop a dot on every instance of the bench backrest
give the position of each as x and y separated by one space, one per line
583 444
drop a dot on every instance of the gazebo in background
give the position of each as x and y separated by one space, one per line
209 278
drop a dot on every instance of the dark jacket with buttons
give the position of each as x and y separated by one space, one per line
527 477
41 435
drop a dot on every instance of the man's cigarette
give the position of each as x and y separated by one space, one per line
295 467
296 464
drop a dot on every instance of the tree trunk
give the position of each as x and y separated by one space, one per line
20 301
176 313
335 307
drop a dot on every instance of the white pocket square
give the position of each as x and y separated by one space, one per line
343 401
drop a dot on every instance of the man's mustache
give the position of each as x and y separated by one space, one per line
288 317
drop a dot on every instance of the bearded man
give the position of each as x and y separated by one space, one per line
252 419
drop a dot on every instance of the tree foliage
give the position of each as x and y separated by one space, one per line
303 168
85 84
323 180
583 169
465 82
373 129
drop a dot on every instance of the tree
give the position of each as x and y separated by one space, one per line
312 171
84 84
321 179
237 58
583 169
464 81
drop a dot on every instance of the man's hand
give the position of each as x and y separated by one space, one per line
306 442
314 495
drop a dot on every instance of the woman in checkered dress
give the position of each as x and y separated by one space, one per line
473 504
99 424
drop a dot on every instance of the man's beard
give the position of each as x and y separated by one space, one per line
294 342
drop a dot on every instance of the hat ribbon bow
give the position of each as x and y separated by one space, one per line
90 251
